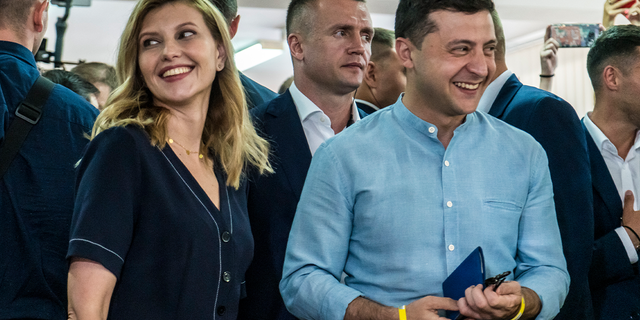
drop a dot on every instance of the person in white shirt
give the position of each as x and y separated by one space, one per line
613 138
330 46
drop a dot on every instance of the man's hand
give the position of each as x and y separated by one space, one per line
631 218
612 8
481 303
427 308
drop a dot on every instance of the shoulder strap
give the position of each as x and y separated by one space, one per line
27 115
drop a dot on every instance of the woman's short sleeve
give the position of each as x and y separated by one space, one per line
107 195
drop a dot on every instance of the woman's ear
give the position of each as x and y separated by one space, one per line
221 59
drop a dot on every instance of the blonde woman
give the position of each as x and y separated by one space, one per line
160 228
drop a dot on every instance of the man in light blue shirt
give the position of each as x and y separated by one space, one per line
401 225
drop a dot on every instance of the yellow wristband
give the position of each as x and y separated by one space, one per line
403 313
519 312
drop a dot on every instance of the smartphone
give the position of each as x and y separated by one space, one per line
575 35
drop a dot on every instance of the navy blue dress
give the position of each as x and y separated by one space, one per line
142 215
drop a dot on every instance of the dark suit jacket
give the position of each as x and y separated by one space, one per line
556 126
255 92
365 108
615 283
272 205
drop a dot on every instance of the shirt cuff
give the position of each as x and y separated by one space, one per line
628 245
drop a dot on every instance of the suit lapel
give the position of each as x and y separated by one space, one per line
363 113
284 128
364 109
505 96
602 181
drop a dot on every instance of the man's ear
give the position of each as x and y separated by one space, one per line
404 47
370 76
40 14
611 78
233 26
295 46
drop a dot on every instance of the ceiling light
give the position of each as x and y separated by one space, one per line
257 53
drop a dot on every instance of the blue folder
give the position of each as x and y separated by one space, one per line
469 273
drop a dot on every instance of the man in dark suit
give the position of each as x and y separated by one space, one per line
384 78
330 50
255 92
613 137
556 126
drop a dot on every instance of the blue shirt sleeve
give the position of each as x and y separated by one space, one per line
318 244
106 198
541 266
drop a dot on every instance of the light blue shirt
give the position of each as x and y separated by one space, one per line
388 205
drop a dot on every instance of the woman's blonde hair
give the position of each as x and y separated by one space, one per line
228 130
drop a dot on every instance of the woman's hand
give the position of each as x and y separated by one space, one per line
89 289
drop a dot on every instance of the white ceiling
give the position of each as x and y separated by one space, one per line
93 32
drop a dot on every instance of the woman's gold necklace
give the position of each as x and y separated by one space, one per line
189 152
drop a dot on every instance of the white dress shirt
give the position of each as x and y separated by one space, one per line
625 174
491 93
365 102
316 124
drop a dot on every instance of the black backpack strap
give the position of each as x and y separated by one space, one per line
27 115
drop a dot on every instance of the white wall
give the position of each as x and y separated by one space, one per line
93 33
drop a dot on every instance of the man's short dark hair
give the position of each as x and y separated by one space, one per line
73 82
413 21
618 47
14 13
297 19
228 8
382 43
97 72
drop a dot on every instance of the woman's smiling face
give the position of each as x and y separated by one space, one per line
178 56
